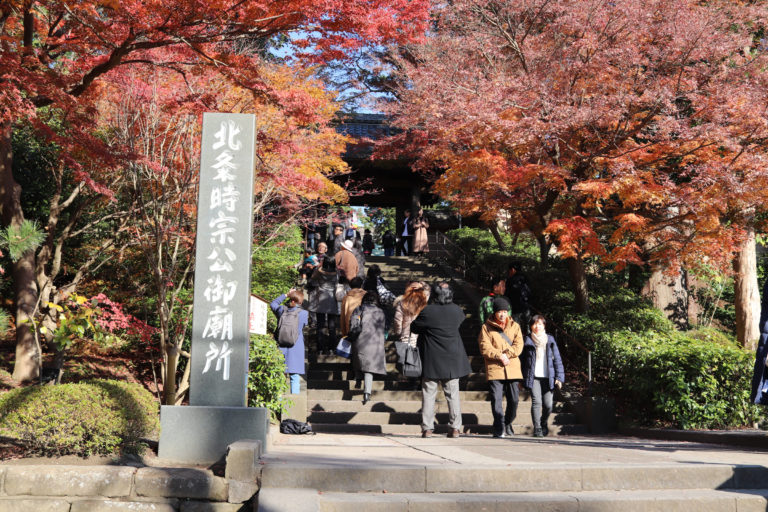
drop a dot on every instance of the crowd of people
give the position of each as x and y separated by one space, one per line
349 301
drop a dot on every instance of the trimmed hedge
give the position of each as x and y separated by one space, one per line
658 375
674 379
101 417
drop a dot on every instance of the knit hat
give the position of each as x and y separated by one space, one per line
500 304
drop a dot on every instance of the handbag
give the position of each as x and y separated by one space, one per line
344 348
408 359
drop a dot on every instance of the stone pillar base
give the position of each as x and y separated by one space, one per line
196 434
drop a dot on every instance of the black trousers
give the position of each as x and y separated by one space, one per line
405 245
329 342
498 390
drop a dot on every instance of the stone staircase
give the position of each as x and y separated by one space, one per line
552 487
334 401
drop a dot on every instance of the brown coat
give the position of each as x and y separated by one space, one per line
347 262
492 345
351 301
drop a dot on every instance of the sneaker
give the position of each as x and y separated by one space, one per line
502 435
454 433
426 433
537 432
509 430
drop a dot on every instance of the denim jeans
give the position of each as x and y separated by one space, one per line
538 399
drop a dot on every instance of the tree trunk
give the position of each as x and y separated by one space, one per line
544 247
670 295
579 280
27 363
746 296
494 227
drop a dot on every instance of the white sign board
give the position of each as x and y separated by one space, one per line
257 322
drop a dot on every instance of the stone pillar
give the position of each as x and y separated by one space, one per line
217 415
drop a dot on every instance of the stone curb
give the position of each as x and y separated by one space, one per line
180 483
279 499
108 481
749 438
480 479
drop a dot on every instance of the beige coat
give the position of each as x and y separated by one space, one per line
347 262
492 345
351 301
420 241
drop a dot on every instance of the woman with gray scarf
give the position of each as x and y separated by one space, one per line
542 372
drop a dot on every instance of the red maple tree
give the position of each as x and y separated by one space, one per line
630 131
54 54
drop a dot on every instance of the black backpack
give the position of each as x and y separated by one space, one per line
288 328
295 427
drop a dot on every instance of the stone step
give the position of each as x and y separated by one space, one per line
314 395
585 501
521 429
342 374
414 418
554 477
381 385
334 362
356 405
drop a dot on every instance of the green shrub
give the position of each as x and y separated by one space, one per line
273 273
675 379
93 417
267 382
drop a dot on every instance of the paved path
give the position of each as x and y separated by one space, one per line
385 450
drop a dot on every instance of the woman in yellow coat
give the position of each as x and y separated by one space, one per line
501 343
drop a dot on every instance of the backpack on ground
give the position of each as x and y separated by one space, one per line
288 328
290 426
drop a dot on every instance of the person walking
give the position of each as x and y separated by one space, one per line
518 290
444 359
420 240
485 309
367 328
388 242
350 302
294 356
406 234
322 253
407 308
501 343
543 371
357 250
335 243
375 283
346 262
322 302
368 244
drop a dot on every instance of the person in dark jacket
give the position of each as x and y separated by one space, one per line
518 291
368 244
759 393
336 240
388 241
322 302
367 328
444 358
542 372
294 356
